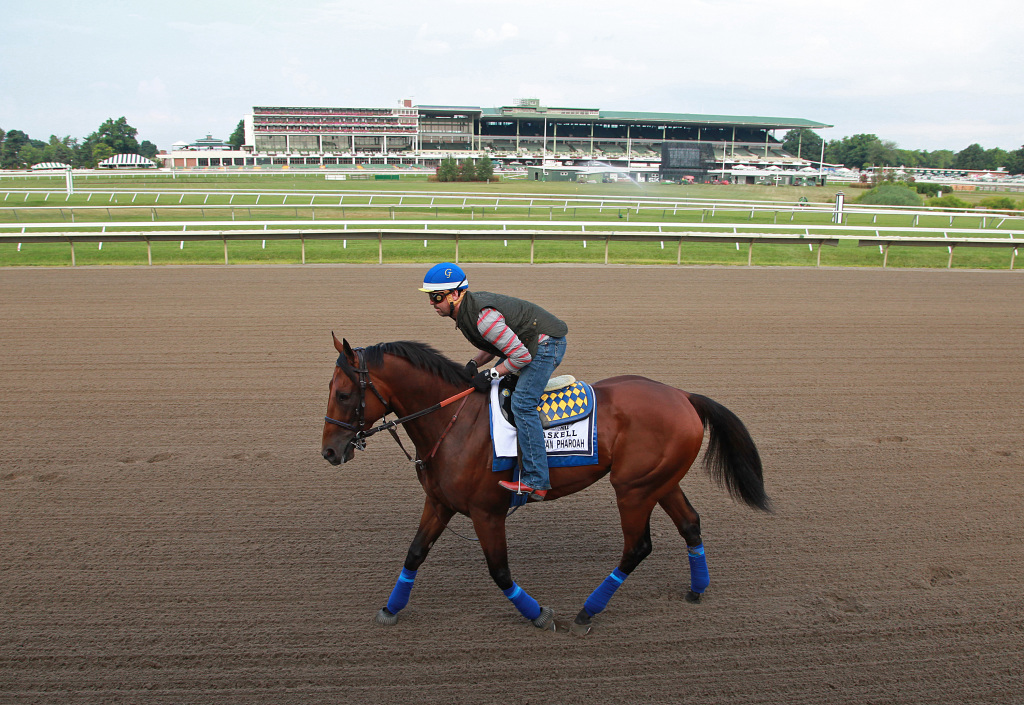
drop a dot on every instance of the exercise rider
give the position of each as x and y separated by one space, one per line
528 340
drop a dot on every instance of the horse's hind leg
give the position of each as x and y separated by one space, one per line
686 519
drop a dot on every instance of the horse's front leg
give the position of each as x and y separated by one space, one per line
435 517
490 529
635 517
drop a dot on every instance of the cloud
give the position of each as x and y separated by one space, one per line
427 43
297 78
496 36
152 90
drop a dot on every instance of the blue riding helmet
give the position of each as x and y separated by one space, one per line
445 277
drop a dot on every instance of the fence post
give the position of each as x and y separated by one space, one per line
224 237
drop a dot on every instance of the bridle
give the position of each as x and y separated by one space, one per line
364 381
359 440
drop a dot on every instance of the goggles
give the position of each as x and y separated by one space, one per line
437 297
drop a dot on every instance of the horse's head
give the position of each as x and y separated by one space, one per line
349 408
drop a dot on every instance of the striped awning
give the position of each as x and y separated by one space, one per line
127 160
51 165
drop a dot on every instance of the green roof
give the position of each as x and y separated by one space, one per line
686 118
721 120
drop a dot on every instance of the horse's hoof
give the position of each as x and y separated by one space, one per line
545 620
582 625
693 597
581 629
386 618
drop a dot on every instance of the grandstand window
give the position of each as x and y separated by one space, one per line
270 143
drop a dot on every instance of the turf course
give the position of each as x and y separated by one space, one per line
147 201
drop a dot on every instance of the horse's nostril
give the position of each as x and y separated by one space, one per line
328 453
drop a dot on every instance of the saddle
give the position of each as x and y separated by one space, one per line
565 399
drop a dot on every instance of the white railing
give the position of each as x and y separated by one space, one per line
605 232
396 202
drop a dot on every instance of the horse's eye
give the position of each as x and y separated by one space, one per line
343 396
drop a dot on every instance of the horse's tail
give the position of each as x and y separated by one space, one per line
731 456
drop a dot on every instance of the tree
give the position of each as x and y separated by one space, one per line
467 170
237 138
970 157
940 159
1015 161
449 169
858 151
61 149
804 143
148 149
484 169
996 157
30 154
14 142
100 152
118 135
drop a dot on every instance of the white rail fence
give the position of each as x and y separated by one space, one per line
238 201
738 233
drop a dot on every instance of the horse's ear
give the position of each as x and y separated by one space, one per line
337 343
347 351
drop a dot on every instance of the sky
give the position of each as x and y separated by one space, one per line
937 75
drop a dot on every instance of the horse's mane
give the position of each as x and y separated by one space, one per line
420 355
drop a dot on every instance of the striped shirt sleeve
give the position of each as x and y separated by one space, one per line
495 331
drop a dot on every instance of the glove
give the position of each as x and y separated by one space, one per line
471 369
482 380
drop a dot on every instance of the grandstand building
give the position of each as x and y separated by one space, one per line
514 136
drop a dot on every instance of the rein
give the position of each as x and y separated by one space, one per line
359 441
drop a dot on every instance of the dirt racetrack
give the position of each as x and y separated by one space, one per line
170 534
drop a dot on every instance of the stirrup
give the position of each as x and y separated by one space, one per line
517 487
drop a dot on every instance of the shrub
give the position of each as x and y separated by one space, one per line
949 201
931 190
1001 203
890 194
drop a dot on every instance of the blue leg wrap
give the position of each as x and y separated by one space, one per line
598 599
400 595
699 577
526 605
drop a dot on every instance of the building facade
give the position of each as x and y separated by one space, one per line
514 136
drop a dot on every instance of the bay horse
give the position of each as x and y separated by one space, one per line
648 434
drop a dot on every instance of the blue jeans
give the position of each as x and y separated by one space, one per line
525 400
